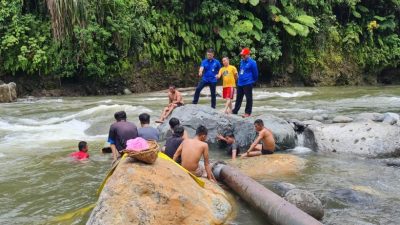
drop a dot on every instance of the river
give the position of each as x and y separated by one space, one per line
38 181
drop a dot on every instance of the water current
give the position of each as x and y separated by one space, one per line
38 181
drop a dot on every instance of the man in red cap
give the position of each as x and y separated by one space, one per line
248 75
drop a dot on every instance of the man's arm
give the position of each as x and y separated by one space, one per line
234 151
258 139
255 71
115 152
178 152
111 140
219 74
201 70
210 175
235 74
220 137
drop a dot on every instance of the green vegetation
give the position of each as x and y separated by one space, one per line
322 42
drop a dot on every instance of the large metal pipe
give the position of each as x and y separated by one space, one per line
276 209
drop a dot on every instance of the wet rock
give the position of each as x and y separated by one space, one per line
281 188
270 167
8 92
352 196
160 193
364 138
376 117
311 122
391 118
342 119
127 91
392 162
306 201
192 116
318 118
297 125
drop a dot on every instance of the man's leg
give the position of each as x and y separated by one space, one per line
248 91
255 152
213 87
200 87
169 111
239 100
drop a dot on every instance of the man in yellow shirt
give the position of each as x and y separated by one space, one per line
230 76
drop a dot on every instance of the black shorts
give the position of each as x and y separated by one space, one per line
179 104
266 152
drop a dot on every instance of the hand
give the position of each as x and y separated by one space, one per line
216 76
220 137
200 75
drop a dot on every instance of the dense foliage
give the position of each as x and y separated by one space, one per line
316 40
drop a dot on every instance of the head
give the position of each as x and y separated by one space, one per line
245 53
173 122
225 61
144 118
230 136
258 125
178 131
120 116
210 53
172 88
82 146
201 133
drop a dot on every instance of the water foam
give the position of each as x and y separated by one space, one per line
296 94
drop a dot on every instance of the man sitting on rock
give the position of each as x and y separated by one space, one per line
191 151
266 138
172 144
146 131
120 132
175 100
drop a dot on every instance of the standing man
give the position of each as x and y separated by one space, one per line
120 132
248 75
229 79
208 71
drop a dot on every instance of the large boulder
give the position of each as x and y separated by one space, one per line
364 138
391 118
161 193
270 167
192 116
8 92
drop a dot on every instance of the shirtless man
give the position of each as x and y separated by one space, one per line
191 151
175 100
266 137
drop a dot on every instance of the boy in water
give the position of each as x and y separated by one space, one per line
233 148
82 153
266 137
191 151
175 100
230 76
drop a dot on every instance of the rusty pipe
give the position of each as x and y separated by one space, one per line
276 209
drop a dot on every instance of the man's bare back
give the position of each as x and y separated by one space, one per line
266 137
192 151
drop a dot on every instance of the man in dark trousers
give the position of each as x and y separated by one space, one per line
120 132
208 71
248 75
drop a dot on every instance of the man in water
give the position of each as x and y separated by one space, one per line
174 122
172 144
208 71
82 153
230 75
191 151
248 75
175 100
146 131
266 138
120 132
233 148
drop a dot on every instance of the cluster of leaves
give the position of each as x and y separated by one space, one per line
104 38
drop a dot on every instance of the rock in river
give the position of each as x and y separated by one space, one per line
364 138
8 92
160 193
306 201
192 116
342 119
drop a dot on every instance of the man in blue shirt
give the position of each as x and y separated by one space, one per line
208 71
248 75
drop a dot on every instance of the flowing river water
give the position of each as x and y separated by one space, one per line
38 181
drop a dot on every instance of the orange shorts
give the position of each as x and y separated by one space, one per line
228 92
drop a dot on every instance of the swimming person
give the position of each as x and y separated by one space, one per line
248 75
172 144
175 100
82 153
229 77
191 151
266 137
232 148
120 132
208 71
146 131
